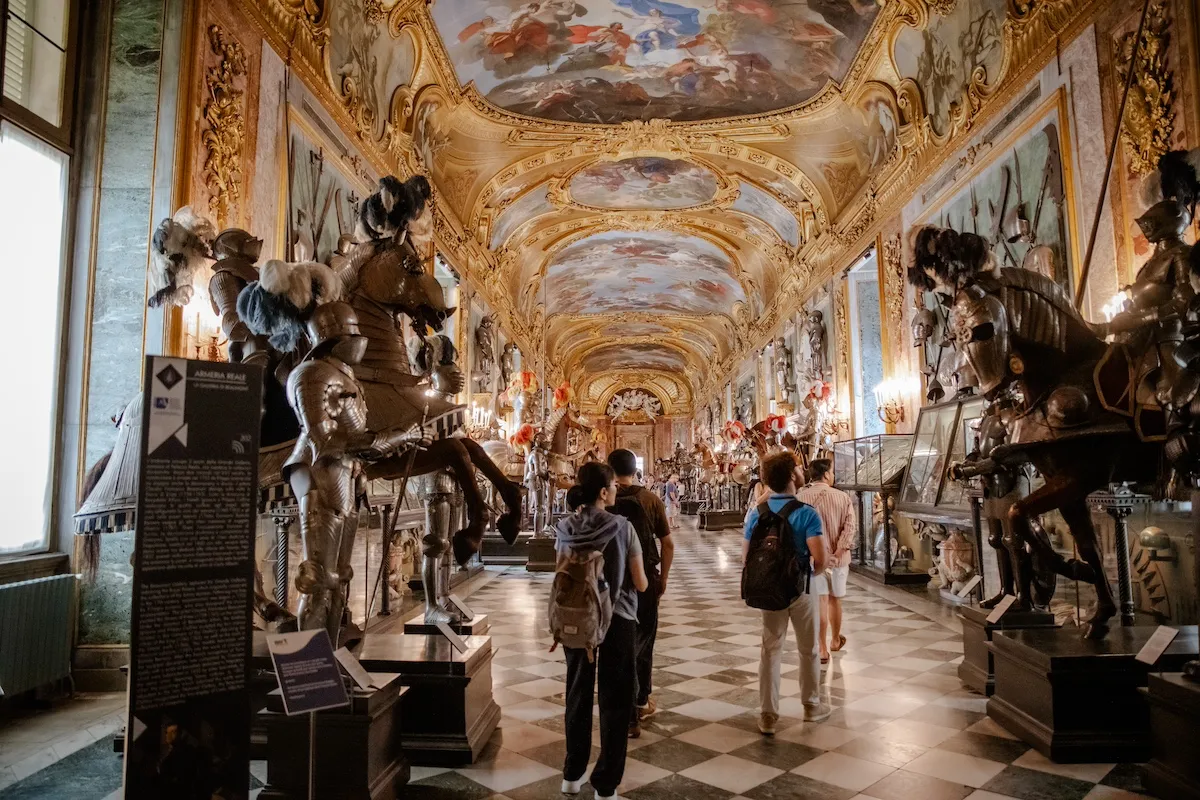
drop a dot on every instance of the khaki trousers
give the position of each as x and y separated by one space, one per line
805 616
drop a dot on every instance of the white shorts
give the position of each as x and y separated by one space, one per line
832 581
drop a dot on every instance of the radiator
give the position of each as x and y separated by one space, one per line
35 632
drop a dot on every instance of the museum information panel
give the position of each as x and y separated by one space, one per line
188 733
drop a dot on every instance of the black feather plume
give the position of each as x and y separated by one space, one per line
1177 173
271 315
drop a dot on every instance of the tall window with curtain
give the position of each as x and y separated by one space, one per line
35 123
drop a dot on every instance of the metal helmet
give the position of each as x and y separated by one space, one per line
979 327
334 327
237 242
1166 219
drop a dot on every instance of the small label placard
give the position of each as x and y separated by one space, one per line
969 585
462 607
1001 607
353 668
460 644
307 671
1156 645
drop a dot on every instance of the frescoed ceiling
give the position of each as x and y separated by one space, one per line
642 190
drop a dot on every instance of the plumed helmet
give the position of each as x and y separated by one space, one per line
333 327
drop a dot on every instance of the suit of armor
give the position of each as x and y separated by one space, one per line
326 467
236 252
537 483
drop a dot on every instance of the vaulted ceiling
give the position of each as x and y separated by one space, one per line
645 188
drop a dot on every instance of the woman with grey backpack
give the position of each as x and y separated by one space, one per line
593 615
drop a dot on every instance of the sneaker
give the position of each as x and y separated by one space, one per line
766 723
635 729
818 712
572 787
648 710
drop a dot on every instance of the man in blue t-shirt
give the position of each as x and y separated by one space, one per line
780 473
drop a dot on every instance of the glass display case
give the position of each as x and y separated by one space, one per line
946 434
873 468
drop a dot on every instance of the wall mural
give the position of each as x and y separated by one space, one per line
608 61
1018 202
324 199
644 182
942 57
365 63
430 136
644 356
653 272
532 204
757 203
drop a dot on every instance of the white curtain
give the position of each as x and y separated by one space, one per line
33 193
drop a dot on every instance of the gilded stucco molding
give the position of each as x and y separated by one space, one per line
1150 115
225 120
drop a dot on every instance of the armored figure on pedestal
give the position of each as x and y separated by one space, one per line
538 485
815 326
1002 486
785 378
326 467
485 354
508 364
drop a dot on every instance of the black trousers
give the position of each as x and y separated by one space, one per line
647 632
614 666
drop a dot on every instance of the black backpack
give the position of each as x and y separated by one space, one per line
773 576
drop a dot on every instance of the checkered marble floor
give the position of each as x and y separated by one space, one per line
903 727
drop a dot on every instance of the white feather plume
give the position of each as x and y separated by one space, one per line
298 282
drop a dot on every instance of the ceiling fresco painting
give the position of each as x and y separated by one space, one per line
672 178
648 182
366 64
663 273
532 204
942 57
607 61
635 357
754 202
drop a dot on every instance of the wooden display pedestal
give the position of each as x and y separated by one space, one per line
721 520
478 625
448 712
497 551
1174 770
541 554
977 671
1076 700
358 749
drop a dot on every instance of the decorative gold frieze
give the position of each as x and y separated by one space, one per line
1149 114
225 119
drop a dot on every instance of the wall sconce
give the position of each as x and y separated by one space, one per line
203 330
891 397
835 423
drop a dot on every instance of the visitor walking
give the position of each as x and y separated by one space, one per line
836 510
671 496
592 530
779 472
649 517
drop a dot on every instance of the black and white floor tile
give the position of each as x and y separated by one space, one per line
903 727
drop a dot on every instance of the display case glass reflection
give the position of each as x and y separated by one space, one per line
870 463
946 434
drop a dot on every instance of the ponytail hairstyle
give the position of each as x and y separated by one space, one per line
592 478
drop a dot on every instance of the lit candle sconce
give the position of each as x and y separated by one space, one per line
835 423
1115 305
892 396
203 329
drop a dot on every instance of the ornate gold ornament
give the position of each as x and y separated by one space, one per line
226 125
893 294
1150 113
